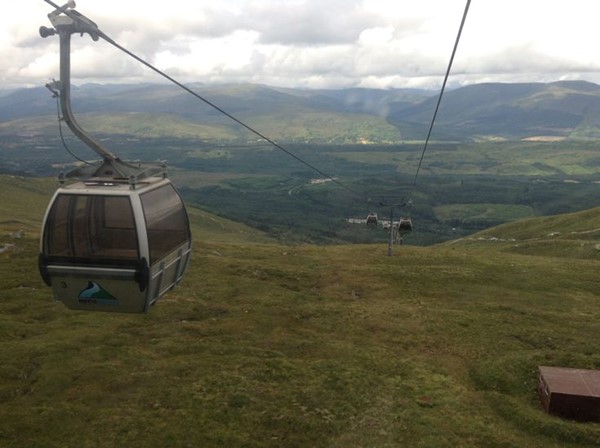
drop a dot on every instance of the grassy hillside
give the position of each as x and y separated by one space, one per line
24 201
573 235
327 346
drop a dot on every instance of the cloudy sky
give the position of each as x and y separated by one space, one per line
311 43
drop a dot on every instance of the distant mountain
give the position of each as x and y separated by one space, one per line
511 111
282 114
483 111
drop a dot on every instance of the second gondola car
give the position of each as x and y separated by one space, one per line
372 219
405 225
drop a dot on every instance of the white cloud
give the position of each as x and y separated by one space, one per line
200 58
384 43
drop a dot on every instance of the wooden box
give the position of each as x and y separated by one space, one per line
570 393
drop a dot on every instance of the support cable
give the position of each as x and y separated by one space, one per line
462 23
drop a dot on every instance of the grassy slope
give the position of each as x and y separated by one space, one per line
572 235
336 346
24 201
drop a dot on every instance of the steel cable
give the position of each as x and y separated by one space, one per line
437 107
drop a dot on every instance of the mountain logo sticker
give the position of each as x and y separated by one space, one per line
96 294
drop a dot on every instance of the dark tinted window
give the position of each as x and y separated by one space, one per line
88 226
166 221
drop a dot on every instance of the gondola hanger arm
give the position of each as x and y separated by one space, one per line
66 16
67 22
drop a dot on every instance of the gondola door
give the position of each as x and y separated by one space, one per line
168 238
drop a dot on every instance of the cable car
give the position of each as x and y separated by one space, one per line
112 246
372 219
405 225
119 238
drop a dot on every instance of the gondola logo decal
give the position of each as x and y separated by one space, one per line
96 294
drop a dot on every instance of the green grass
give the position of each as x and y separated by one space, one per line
264 345
499 158
206 226
24 202
482 212
572 235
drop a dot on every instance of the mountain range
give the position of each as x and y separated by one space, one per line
491 111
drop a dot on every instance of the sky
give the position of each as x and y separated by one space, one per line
310 43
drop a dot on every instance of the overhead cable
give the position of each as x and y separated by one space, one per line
462 23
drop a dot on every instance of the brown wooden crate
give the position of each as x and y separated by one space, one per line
570 393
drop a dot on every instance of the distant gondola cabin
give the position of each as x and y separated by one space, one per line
405 225
112 246
372 219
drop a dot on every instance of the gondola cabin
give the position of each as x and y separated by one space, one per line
405 225
113 246
372 219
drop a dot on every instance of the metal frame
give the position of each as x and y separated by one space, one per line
67 22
